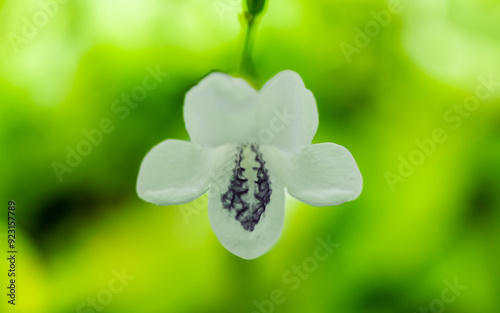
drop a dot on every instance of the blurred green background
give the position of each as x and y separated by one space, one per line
386 75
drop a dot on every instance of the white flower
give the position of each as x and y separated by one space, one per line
247 147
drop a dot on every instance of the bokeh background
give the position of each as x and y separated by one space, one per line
63 65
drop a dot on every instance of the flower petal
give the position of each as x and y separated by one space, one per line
220 109
324 174
173 172
288 116
246 204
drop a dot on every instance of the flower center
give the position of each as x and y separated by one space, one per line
249 190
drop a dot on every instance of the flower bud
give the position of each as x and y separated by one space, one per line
255 6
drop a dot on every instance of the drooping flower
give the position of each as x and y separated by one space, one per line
246 147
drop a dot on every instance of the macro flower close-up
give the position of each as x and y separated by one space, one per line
246 147
250 156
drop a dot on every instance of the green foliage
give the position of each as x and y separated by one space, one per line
417 74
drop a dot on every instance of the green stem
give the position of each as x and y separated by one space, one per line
246 64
